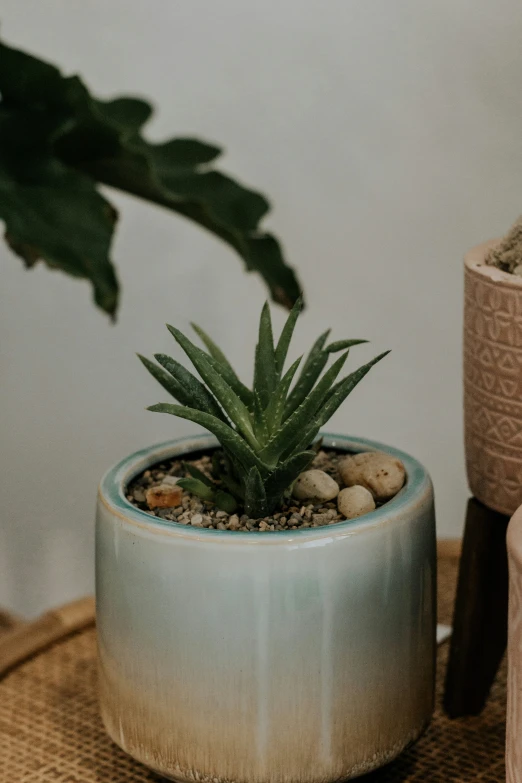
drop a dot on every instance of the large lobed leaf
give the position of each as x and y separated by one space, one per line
57 142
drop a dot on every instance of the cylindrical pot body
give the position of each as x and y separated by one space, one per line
514 695
493 382
281 657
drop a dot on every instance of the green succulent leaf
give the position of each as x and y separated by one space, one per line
216 463
196 394
336 397
227 436
212 348
342 345
265 373
343 388
229 476
286 473
244 394
255 495
197 487
276 406
285 337
198 474
58 143
221 364
261 426
169 383
225 501
314 364
291 431
233 406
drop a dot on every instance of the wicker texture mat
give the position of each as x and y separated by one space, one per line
50 731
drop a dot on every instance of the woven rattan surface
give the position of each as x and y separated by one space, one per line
50 730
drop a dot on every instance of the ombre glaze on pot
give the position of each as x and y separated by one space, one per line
292 656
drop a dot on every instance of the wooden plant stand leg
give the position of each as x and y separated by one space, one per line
479 634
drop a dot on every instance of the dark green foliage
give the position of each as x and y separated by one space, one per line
266 433
207 490
58 142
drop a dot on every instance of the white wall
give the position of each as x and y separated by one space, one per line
389 136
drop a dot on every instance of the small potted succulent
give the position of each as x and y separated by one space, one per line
492 371
265 600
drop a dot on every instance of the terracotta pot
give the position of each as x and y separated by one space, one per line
493 382
514 696
304 656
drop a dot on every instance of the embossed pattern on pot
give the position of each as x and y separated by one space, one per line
493 382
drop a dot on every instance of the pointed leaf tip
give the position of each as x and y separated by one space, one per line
340 345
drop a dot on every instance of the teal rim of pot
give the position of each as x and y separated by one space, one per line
416 487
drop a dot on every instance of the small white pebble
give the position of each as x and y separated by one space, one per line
197 520
381 474
355 501
315 484
518 270
170 481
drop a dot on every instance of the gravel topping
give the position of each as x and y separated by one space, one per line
292 514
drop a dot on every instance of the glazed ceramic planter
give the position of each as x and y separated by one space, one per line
493 382
278 657
514 695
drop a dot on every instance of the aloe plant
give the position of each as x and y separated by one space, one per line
265 432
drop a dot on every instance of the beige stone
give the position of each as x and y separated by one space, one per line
355 501
315 485
381 474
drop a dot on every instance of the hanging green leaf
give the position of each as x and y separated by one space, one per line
58 144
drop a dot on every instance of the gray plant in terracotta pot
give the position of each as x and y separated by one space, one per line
493 371
265 602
